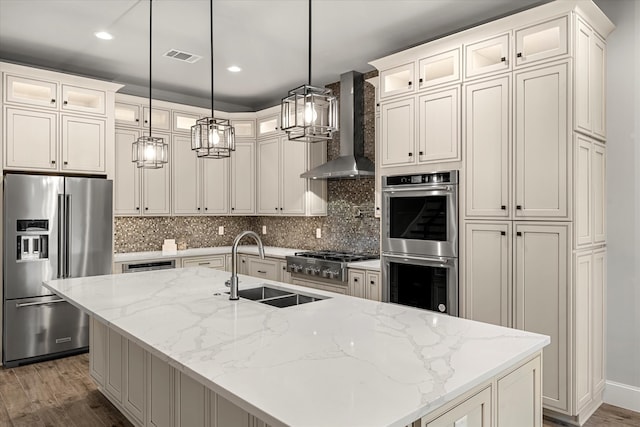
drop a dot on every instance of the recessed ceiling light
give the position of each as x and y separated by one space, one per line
103 35
234 69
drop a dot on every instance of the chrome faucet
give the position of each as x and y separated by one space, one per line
233 282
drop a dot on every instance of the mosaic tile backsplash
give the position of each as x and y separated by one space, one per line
350 224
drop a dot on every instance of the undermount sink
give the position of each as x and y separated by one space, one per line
276 297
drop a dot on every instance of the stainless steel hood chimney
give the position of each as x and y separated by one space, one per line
351 163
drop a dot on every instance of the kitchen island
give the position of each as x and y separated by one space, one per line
169 348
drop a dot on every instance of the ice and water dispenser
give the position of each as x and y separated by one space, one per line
32 239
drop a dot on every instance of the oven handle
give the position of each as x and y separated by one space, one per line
417 188
441 261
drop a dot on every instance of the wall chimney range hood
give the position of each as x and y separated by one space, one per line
351 163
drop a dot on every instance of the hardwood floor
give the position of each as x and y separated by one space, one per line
60 393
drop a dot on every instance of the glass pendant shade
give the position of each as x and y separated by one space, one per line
213 138
150 152
309 114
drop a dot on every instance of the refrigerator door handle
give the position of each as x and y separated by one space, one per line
67 223
31 304
61 232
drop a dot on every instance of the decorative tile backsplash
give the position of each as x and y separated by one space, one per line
350 224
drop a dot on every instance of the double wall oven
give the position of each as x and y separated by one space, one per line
420 240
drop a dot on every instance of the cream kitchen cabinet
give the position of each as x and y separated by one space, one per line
440 68
244 128
589 85
473 412
182 121
487 57
115 365
488 149
83 100
31 139
135 382
127 114
217 262
190 402
439 126
517 275
199 186
285 276
160 118
542 154
264 268
438 129
243 179
268 125
98 356
280 189
160 392
397 80
364 284
83 144
542 41
139 191
324 286
589 192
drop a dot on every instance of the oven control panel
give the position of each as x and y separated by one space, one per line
445 177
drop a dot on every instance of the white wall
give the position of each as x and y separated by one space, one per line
623 200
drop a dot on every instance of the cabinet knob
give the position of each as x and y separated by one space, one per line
519 207
519 54
355 280
410 83
53 162
53 101
280 208
243 261
420 81
146 209
198 208
519 233
206 209
65 163
137 208
233 209
65 102
377 208
503 59
503 207
410 154
502 233
377 104
137 120
284 268
276 208
372 282
420 153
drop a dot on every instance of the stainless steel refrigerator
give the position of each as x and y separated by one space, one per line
54 227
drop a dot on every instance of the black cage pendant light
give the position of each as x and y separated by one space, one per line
309 113
212 138
150 152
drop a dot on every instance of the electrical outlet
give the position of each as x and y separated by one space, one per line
221 230
264 229
318 233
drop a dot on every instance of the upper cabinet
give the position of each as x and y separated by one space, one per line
268 125
439 69
397 80
487 56
542 41
55 122
245 128
182 121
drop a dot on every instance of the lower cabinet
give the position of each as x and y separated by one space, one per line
365 284
264 268
323 286
217 262
510 399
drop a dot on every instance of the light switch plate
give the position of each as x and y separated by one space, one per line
221 230
264 229
318 233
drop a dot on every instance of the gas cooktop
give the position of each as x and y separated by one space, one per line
326 264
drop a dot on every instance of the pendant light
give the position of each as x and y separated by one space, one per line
309 113
211 137
150 152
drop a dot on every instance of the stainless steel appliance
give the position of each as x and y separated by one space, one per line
54 227
420 240
135 267
330 265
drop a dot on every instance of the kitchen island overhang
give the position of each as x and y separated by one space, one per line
338 361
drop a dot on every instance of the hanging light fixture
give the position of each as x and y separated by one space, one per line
211 137
309 113
150 152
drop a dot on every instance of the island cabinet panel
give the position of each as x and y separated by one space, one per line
216 262
473 412
98 357
135 384
115 365
518 397
191 402
160 393
225 413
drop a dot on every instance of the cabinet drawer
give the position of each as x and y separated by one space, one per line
215 262
475 411
264 268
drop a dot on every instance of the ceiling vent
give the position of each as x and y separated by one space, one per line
182 56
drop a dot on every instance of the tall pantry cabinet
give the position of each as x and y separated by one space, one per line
532 167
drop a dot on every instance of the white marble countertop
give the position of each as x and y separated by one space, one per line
270 251
342 361
373 264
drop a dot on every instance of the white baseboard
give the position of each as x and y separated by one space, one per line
622 395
